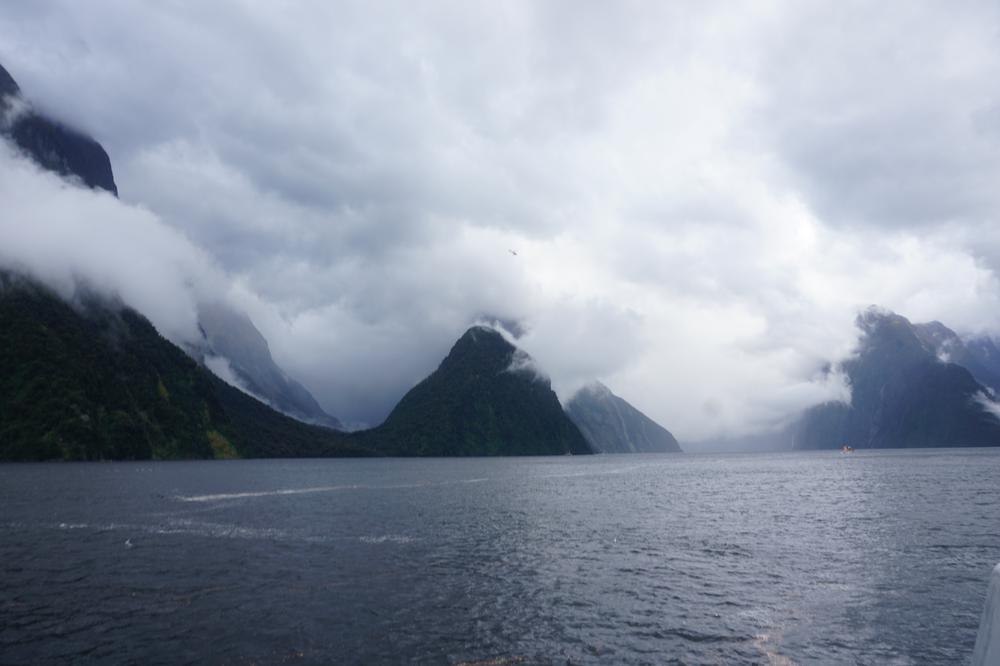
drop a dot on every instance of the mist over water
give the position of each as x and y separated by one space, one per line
876 557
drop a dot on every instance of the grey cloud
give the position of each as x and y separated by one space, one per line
882 113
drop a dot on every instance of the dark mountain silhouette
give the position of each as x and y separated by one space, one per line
902 395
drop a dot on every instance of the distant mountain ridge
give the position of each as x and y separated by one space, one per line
231 335
484 399
979 355
903 394
612 425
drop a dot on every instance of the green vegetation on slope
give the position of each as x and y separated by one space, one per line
94 381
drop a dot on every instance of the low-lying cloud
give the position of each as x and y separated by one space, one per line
67 235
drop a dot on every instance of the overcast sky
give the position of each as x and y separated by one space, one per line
701 195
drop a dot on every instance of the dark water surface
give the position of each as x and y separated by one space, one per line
870 558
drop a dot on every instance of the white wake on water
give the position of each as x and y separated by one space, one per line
217 497
220 497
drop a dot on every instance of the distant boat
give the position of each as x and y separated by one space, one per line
846 449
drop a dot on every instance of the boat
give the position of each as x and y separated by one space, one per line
846 449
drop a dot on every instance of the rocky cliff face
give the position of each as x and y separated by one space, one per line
50 143
902 395
8 86
612 425
978 355
231 336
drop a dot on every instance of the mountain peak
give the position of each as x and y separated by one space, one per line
483 344
474 404
596 389
885 332
876 317
482 334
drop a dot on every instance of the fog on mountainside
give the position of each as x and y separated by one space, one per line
781 439
91 379
612 425
903 394
102 384
504 409
230 344
230 337
50 143
977 354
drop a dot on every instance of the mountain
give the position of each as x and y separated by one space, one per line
50 143
485 399
902 395
980 356
611 425
91 379
230 335
95 381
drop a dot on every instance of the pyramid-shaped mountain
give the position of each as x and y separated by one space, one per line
611 425
485 399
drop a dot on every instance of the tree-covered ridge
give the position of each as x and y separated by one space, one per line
95 381
484 399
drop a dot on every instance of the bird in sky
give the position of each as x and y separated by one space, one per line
512 252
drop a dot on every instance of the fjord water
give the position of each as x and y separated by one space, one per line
819 557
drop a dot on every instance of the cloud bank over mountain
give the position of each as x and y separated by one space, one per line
699 198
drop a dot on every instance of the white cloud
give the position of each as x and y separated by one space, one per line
63 234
